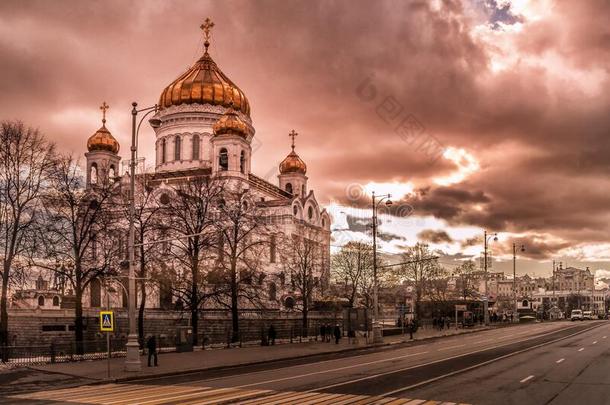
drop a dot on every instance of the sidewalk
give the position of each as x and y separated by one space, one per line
178 363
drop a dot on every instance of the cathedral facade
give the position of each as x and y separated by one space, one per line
204 129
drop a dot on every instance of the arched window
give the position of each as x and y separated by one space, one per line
163 151
289 303
272 249
310 213
93 173
111 173
272 291
195 147
289 187
295 210
177 144
56 301
242 162
41 301
303 190
223 160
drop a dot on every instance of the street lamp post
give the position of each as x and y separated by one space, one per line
132 360
376 201
486 297
522 249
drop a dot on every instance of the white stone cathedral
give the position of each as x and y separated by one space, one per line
203 127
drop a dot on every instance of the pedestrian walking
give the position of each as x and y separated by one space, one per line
322 332
151 344
441 323
328 332
410 328
271 334
337 334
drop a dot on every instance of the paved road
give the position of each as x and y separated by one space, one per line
435 372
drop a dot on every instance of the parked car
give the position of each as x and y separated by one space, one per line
587 316
576 315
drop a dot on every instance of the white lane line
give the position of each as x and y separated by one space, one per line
603 337
581 349
559 361
410 387
595 342
450 347
483 341
526 379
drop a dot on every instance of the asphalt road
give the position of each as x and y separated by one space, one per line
516 365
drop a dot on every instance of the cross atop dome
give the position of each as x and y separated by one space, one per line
293 134
104 107
207 27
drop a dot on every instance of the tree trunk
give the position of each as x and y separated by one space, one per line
4 314
234 304
141 313
78 321
194 314
305 313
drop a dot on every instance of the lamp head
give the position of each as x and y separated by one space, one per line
495 238
155 122
388 203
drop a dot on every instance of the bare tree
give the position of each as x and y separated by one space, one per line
419 271
466 273
242 237
304 262
190 224
353 268
25 159
79 229
147 222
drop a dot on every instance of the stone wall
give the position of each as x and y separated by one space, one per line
41 327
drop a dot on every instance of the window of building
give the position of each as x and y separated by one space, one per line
41 301
295 210
310 213
242 162
196 147
303 190
93 173
111 173
163 150
223 160
56 301
289 187
272 249
272 291
177 144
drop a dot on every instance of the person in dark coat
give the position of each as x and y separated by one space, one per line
271 335
322 332
337 334
151 344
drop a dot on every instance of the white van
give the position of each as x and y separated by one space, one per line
576 315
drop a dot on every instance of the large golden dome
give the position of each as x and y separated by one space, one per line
204 83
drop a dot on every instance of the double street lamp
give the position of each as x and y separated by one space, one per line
132 360
376 201
486 239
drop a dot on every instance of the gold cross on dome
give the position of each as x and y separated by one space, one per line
207 27
293 134
104 107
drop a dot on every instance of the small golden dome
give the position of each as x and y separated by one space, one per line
230 123
103 140
293 164
204 83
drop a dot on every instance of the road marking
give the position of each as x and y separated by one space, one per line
603 337
331 370
581 349
483 341
559 361
526 379
595 342
410 387
450 347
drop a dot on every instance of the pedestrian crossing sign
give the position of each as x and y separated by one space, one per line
106 321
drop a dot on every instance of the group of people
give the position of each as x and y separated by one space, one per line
327 332
441 322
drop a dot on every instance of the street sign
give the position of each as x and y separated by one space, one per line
461 308
106 321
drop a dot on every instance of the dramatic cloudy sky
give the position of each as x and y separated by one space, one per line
474 114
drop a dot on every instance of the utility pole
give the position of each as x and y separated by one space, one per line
377 333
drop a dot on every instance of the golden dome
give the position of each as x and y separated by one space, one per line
102 139
204 83
293 164
230 123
